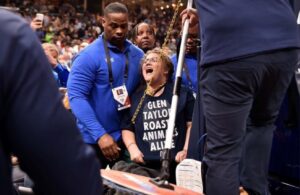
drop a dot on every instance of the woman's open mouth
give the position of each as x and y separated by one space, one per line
149 70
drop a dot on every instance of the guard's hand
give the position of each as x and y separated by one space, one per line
191 14
36 24
135 154
180 156
109 147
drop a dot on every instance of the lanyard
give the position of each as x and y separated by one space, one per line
109 66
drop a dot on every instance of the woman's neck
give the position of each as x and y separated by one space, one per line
155 89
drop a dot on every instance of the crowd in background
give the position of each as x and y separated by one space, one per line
71 28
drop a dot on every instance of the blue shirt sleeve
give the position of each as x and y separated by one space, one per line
81 80
63 74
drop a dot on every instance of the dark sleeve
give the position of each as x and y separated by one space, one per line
38 130
189 105
126 120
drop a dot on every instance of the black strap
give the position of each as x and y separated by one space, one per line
158 89
126 67
109 65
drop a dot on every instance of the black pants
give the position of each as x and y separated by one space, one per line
104 162
241 101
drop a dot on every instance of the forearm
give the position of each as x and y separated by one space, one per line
128 138
187 136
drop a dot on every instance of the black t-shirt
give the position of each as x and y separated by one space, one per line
152 121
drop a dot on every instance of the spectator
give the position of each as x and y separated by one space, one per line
143 36
144 126
52 54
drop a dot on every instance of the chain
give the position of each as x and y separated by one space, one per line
146 92
171 25
138 107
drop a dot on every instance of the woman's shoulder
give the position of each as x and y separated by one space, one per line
138 93
183 89
139 90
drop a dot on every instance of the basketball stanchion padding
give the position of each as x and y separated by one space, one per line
136 184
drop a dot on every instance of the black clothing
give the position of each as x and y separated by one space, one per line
34 124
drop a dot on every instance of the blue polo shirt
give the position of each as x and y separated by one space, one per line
90 92
191 64
233 29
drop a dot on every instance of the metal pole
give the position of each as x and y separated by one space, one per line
165 153
176 89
